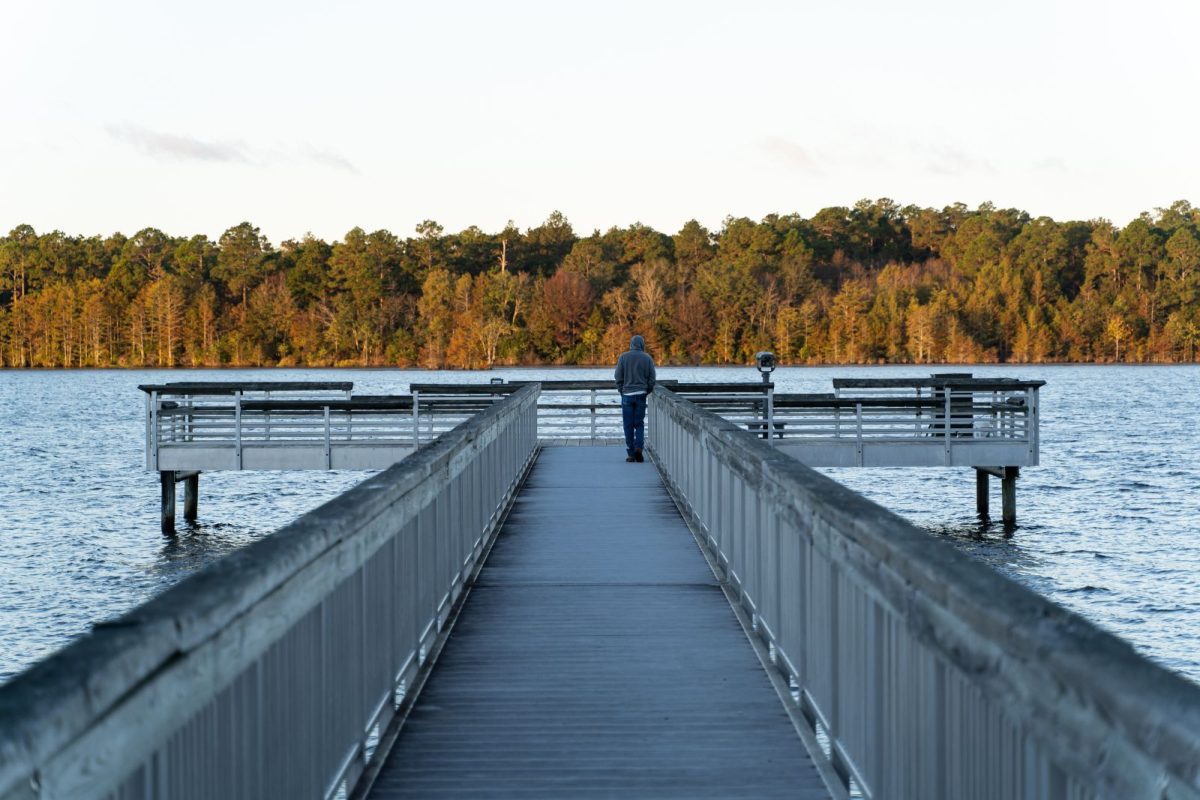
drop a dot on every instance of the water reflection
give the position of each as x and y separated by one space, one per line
979 529
196 544
990 541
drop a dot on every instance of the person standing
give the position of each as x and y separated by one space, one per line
635 380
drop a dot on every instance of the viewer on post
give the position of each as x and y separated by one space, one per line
635 380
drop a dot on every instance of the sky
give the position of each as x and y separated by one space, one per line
319 117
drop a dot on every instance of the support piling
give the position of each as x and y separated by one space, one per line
1008 489
191 497
981 492
167 480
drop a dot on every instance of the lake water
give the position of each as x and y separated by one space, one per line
1107 525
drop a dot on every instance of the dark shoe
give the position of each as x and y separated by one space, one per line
637 455
630 459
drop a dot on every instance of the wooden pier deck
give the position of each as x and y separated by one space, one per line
597 656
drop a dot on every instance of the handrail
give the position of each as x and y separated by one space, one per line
199 423
978 384
322 626
926 673
232 387
975 415
402 403
755 387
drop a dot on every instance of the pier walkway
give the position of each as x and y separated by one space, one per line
597 656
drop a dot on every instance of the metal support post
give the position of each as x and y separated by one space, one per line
771 415
328 443
237 426
416 397
858 435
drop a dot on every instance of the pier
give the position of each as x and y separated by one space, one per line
947 420
496 615
196 427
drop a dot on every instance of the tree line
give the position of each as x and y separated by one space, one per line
875 283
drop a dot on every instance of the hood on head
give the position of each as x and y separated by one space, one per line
637 343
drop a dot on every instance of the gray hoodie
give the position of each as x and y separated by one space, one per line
635 369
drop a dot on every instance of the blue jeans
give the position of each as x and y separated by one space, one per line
633 415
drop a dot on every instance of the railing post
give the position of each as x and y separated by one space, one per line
769 413
237 428
592 409
946 423
1032 412
416 416
997 420
152 430
328 444
858 434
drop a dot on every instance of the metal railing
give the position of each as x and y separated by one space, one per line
275 671
920 672
887 411
912 410
574 411
236 416
589 412
875 411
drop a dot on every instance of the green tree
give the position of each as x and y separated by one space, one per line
307 270
545 246
436 308
241 263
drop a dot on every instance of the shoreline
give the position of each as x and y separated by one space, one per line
517 367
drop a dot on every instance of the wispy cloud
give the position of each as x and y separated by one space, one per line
791 155
331 159
947 160
182 147
177 147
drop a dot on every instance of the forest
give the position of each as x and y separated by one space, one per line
872 284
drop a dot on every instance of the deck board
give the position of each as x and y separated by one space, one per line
597 657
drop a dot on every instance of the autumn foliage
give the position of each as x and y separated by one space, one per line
876 283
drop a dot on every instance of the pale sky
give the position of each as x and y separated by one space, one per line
302 116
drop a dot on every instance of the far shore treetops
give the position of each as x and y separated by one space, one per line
876 283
